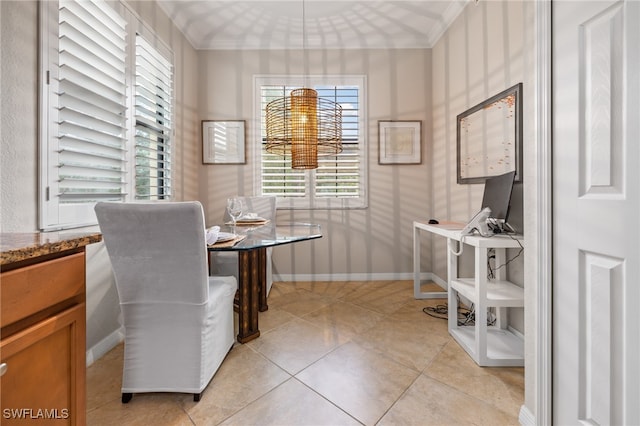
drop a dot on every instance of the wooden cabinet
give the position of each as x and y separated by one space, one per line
42 312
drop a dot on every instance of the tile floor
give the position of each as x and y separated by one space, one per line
330 353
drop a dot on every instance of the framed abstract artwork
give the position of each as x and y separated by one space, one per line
223 142
400 142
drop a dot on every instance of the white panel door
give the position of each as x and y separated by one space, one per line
596 214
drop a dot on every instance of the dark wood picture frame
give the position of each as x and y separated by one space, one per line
489 137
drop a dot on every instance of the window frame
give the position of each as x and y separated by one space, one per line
309 201
154 42
53 215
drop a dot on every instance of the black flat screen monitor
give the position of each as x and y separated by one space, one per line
497 195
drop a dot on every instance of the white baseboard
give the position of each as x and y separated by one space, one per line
105 345
358 276
436 279
526 417
515 332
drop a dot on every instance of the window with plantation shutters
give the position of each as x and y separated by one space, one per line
339 181
105 111
153 101
86 116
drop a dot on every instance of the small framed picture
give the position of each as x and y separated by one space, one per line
223 142
400 142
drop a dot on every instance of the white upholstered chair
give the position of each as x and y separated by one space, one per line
178 320
226 263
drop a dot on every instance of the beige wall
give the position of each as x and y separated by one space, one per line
19 116
372 242
489 48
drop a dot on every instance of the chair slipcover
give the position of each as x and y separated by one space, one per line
226 263
178 321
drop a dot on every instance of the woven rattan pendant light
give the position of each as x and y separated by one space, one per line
303 126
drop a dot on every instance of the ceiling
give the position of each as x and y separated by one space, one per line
341 24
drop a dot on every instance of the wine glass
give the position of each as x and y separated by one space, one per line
234 207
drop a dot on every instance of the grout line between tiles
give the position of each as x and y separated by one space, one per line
398 398
487 403
328 400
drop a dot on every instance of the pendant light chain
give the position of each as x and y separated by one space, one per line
305 57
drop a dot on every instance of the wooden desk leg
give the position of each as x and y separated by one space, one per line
248 289
262 278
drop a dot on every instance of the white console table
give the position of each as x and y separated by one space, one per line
490 346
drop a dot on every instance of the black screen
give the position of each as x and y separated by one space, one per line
497 195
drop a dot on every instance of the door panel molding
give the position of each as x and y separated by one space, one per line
601 103
601 343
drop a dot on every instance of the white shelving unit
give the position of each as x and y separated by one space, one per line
491 346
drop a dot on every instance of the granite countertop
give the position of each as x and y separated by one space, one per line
16 247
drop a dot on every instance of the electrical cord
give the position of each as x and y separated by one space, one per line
471 317
494 226
491 271
465 316
461 246
438 311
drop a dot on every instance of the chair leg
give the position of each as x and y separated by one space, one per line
126 397
196 397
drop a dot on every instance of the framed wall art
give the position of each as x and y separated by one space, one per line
400 142
223 142
489 137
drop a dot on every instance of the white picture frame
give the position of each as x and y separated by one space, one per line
223 142
400 142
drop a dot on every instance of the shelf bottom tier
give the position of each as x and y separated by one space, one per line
504 349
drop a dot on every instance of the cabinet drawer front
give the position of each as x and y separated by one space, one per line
31 289
46 370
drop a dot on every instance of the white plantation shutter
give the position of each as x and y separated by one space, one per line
86 132
339 181
339 176
279 179
105 111
153 105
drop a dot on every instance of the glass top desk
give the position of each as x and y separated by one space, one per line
252 266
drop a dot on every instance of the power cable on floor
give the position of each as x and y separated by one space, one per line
466 316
